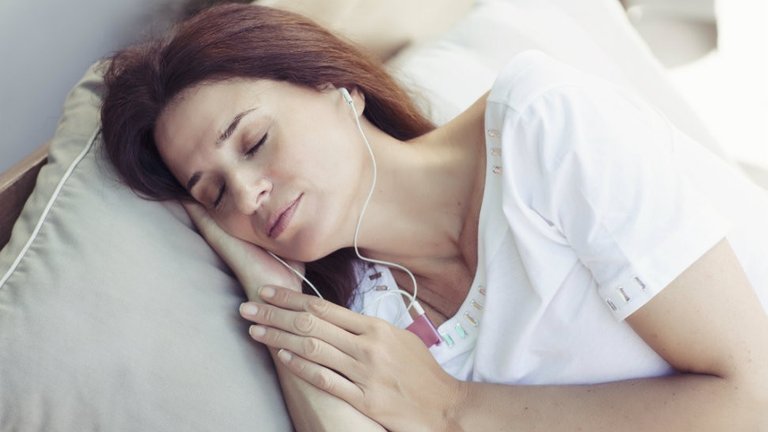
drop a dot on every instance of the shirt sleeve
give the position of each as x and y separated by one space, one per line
602 167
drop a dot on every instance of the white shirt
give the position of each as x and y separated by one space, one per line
593 203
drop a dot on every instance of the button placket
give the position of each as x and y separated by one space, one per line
460 330
447 339
469 319
623 294
495 160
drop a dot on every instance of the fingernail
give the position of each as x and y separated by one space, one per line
267 292
284 355
257 330
248 309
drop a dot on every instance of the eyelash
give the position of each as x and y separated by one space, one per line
248 154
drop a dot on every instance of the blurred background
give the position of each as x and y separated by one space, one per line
715 52
716 55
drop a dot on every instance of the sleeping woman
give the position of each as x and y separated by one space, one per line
557 257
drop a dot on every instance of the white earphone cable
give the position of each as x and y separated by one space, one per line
365 207
412 297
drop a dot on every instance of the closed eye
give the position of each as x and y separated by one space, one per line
220 197
255 148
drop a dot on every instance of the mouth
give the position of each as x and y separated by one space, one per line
282 218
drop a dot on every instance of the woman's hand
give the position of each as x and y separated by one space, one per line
252 265
310 408
384 372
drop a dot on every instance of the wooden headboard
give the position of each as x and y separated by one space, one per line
16 185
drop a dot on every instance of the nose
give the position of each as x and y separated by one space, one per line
249 190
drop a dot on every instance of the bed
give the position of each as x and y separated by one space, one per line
114 313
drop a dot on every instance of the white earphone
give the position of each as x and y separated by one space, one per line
421 326
347 98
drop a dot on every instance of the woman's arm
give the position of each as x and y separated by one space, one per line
313 410
310 408
708 324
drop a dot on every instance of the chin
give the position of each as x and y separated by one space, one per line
309 256
307 252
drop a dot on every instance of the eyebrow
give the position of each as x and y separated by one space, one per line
219 141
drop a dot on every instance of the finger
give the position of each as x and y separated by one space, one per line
330 312
299 323
309 348
322 377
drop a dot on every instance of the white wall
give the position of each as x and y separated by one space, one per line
46 45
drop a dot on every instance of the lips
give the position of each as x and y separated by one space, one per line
280 219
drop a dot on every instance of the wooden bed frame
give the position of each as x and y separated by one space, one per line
16 185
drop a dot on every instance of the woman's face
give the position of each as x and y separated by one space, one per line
275 164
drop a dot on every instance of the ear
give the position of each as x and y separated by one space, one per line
359 97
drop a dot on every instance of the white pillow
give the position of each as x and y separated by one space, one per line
381 27
592 35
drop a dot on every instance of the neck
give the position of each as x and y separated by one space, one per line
423 212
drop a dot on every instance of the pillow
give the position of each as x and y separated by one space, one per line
115 315
592 35
381 27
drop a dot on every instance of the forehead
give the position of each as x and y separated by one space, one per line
188 128
190 125
201 111
204 106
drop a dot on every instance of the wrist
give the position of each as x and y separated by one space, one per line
252 289
455 399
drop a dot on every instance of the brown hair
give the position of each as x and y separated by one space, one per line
241 41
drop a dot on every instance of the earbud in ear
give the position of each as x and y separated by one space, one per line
347 97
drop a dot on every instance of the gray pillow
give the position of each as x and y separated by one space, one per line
115 314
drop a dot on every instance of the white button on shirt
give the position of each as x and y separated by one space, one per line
593 204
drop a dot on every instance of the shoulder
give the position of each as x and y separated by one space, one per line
532 80
545 107
528 75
